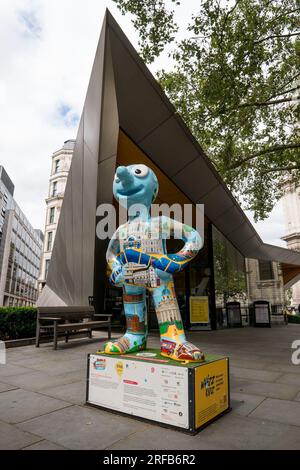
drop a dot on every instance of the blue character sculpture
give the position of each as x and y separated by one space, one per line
138 261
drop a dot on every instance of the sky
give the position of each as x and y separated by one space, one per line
47 49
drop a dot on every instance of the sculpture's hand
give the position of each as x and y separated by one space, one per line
117 276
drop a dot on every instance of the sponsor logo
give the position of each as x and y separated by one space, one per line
99 364
119 368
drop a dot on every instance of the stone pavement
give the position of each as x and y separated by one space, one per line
42 396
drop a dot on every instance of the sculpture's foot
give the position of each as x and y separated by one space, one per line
129 343
182 351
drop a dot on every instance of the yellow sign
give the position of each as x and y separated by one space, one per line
211 391
119 368
199 311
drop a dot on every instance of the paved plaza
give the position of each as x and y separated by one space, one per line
42 398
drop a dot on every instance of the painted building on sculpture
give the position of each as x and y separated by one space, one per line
20 250
60 166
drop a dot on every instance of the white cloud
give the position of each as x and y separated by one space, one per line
47 49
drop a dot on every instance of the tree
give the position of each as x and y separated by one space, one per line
236 83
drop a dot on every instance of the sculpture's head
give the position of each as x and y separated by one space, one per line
135 184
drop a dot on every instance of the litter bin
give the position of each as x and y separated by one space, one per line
233 314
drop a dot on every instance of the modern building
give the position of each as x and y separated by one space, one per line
128 119
20 250
291 209
61 162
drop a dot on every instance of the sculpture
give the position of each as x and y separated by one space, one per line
137 260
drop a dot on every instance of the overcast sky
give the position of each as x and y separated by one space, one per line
47 49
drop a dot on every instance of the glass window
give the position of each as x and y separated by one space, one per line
229 275
266 272
54 189
56 168
51 215
47 267
49 241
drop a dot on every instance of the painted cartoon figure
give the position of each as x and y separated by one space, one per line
138 261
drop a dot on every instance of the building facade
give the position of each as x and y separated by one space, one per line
291 209
20 250
61 162
265 282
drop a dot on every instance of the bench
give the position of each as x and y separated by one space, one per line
68 321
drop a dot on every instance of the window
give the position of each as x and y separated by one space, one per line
265 270
49 241
54 188
57 162
51 215
47 268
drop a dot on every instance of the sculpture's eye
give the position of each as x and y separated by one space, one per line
140 170
117 180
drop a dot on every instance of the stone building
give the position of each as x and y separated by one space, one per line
61 161
291 209
265 282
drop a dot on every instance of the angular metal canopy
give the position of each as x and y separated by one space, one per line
123 94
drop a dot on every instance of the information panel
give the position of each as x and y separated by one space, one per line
211 391
262 314
154 391
199 310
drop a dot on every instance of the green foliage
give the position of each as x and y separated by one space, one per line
17 322
153 21
236 83
293 318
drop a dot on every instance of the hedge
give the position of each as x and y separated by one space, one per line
293 318
17 322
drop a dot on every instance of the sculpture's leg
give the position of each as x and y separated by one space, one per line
135 338
172 337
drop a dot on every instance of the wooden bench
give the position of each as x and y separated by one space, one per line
69 320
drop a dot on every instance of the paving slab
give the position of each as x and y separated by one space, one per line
242 403
54 365
20 405
82 428
265 389
12 438
280 411
236 432
44 445
254 374
6 387
71 392
37 380
6 370
285 367
156 438
292 379
229 432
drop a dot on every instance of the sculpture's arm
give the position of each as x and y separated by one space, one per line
193 242
114 267
170 263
